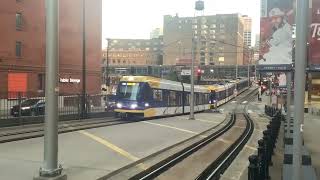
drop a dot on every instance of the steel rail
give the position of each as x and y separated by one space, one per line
174 159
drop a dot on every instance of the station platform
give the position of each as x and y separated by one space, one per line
93 153
310 137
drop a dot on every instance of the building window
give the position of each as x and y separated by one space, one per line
18 48
18 21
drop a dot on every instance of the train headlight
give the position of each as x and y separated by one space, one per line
146 105
25 108
133 106
119 105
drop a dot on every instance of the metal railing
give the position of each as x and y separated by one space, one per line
19 108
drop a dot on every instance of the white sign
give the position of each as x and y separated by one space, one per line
282 80
69 80
185 72
64 80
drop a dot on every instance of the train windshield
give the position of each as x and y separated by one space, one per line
129 90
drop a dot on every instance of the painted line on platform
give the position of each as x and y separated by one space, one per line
113 147
175 128
207 121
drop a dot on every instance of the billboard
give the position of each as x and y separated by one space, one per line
276 34
314 38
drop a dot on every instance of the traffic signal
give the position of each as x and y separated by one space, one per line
199 72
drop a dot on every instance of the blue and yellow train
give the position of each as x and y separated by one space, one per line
145 96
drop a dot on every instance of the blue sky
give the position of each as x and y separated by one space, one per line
136 18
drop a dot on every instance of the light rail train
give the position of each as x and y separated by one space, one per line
145 96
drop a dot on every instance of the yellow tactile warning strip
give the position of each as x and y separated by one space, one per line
175 128
113 147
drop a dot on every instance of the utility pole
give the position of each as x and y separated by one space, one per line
50 168
289 79
270 91
237 70
84 82
199 6
107 69
248 74
299 83
191 117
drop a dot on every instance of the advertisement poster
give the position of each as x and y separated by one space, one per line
314 38
276 34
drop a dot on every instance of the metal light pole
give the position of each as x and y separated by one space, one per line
299 90
107 69
248 74
289 79
84 82
50 165
270 91
237 67
199 6
191 117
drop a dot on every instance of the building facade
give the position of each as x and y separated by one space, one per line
156 33
23 46
247 30
218 39
135 52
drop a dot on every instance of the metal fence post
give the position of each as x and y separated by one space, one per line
253 168
261 160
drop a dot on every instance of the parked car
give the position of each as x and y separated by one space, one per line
30 107
110 102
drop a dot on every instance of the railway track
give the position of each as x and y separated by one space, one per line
28 132
37 130
211 156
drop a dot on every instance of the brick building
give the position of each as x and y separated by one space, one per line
22 45
218 39
124 52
